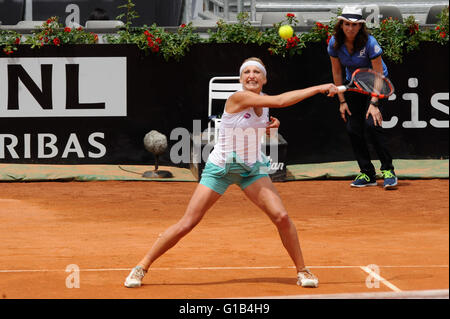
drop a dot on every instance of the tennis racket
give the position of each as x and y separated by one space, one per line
370 82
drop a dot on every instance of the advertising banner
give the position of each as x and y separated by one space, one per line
93 104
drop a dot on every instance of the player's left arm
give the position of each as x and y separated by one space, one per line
273 123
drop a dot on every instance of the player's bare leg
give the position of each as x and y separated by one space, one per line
202 199
264 194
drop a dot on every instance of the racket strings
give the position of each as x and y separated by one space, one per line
365 85
372 82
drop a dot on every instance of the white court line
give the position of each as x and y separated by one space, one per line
411 294
381 279
218 268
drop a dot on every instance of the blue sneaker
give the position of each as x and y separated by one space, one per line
390 180
363 180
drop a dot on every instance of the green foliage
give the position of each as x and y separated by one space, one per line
241 32
440 33
280 46
413 34
156 40
9 41
53 33
129 15
177 44
394 36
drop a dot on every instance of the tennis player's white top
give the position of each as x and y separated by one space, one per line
240 133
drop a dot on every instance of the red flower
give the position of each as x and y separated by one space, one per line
67 29
8 51
50 20
292 42
183 25
56 41
80 28
437 28
17 41
442 34
413 28
147 33
158 40
290 15
94 35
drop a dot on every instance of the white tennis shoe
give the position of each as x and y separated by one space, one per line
134 279
307 279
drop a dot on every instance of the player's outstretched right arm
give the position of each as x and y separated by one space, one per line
244 99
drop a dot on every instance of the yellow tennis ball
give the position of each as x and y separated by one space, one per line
286 31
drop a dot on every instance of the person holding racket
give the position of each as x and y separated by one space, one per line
237 159
350 48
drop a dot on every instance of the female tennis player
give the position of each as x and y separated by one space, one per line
352 47
237 159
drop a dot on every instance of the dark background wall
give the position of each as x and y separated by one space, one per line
11 11
165 95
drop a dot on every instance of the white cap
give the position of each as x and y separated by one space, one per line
352 14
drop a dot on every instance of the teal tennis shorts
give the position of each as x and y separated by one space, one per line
219 178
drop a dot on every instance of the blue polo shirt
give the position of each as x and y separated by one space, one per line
360 59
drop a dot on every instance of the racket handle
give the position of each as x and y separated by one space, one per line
341 88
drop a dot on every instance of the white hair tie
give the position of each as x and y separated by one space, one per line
255 63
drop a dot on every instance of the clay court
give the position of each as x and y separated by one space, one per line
105 227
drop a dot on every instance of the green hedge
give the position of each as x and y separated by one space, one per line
394 36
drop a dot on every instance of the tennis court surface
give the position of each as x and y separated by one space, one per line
80 239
